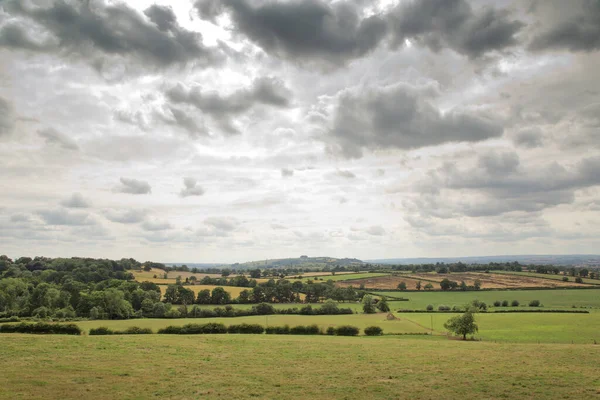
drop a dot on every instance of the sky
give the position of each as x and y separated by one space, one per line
237 130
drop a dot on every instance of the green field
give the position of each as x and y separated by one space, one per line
556 298
280 367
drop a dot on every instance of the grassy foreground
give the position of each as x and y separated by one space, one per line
276 367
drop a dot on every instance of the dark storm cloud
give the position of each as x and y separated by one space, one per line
191 188
401 116
265 91
86 28
455 24
133 186
15 36
57 138
7 118
575 26
76 201
302 30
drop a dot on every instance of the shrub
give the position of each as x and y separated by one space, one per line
444 308
497 303
534 303
278 330
10 319
347 330
304 330
331 330
504 303
246 328
194 329
264 309
42 328
515 303
101 331
429 307
578 280
565 279
135 330
373 331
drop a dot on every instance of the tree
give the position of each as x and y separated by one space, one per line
402 285
462 325
429 286
383 305
418 285
368 307
255 273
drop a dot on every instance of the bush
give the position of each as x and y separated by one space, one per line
246 328
304 330
194 329
10 319
534 303
515 303
497 303
278 330
135 330
331 330
429 307
263 309
42 328
347 330
504 303
565 279
101 331
373 331
578 280
444 308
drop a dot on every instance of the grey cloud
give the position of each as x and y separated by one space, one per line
116 30
499 163
133 186
222 223
287 172
375 230
15 36
191 188
266 91
65 217
76 201
186 122
20 218
7 119
345 174
156 225
529 138
455 24
401 116
303 30
57 138
126 216
572 25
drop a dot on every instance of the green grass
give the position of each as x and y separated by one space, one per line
555 298
280 367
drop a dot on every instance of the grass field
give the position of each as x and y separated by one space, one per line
279 367
558 298
549 276
342 277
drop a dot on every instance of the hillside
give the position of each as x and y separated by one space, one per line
300 262
567 259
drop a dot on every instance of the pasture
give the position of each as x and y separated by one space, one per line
354 278
234 291
275 367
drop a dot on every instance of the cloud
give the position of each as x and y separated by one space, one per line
57 138
287 172
191 188
133 216
375 230
133 186
15 36
225 224
528 138
6 117
156 225
95 30
401 116
572 25
439 24
303 30
65 217
76 201
345 174
267 91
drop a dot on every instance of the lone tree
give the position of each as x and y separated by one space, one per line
402 285
383 305
462 325
368 307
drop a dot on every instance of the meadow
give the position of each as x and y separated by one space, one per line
276 367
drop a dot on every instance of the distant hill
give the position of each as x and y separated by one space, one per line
303 261
568 259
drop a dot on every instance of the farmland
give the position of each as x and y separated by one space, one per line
232 290
487 281
260 366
